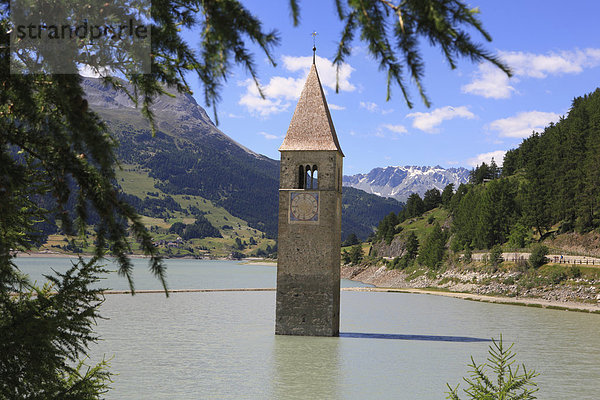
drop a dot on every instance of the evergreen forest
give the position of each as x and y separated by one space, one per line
548 185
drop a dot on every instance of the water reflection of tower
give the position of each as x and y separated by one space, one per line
306 368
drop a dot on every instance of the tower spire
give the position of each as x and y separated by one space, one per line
311 127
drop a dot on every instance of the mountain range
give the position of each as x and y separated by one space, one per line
400 182
190 156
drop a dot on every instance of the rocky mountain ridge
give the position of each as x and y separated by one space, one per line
399 182
180 113
189 155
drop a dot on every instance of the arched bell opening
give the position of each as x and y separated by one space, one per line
301 177
308 177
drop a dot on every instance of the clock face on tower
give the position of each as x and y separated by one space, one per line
304 207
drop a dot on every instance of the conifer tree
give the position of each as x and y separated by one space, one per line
387 227
412 246
481 174
537 258
468 254
414 205
536 195
392 32
433 249
507 382
431 199
52 145
447 194
356 254
351 240
496 256
495 171
518 236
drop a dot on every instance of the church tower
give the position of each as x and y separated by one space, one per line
310 217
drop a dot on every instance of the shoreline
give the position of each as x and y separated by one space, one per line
53 254
256 261
517 301
243 261
385 280
48 254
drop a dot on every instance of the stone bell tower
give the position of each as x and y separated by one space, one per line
310 217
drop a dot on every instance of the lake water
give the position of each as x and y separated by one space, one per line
393 345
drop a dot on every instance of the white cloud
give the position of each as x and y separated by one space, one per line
336 107
257 105
541 65
369 106
284 88
281 92
497 155
522 124
327 71
395 128
268 135
429 121
374 107
490 82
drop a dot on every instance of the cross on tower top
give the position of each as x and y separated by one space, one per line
314 35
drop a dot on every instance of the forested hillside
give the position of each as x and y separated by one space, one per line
550 183
562 168
529 229
188 155
361 211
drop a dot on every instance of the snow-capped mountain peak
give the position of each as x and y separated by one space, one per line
399 182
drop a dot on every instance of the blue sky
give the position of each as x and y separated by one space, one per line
476 113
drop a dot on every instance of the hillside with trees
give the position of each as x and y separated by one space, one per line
546 194
549 185
190 170
190 156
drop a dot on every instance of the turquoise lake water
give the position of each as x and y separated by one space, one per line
221 345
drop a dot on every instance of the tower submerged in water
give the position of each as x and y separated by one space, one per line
310 218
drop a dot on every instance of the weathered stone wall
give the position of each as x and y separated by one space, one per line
307 305
329 165
308 266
